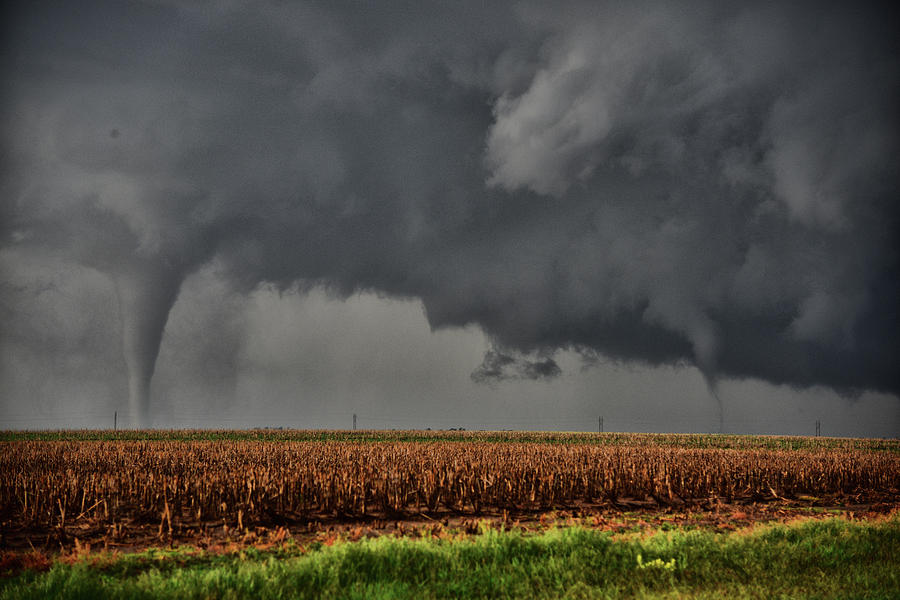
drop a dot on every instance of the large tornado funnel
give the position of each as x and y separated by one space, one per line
146 293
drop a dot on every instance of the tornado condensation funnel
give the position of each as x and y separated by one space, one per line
146 293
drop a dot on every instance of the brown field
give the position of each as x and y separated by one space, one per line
64 493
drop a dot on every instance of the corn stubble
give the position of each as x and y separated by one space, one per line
240 483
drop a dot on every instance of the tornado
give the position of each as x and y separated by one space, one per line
146 293
714 392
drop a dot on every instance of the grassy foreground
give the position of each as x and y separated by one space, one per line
832 558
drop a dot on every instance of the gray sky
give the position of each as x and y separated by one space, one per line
527 216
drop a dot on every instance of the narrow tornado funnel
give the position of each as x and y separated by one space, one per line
714 390
147 290
705 340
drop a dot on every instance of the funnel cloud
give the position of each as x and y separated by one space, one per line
709 184
146 294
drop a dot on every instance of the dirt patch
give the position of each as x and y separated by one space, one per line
34 548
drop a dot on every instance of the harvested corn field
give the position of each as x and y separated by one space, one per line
55 490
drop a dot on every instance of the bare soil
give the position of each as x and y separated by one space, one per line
22 547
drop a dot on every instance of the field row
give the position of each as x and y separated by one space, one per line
50 484
676 440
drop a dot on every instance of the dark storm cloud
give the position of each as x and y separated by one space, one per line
711 183
498 366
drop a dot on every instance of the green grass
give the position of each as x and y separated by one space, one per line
831 558
546 437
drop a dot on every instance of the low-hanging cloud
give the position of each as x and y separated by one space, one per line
498 366
710 183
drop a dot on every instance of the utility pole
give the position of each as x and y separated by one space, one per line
115 420
818 428
354 421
